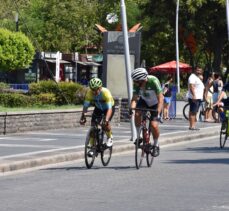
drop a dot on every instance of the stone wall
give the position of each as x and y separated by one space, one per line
14 122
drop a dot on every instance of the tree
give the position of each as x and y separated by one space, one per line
16 50
204 35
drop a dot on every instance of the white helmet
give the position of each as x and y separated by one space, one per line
139 74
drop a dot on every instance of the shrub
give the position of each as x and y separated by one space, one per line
15 100
44 99
64 92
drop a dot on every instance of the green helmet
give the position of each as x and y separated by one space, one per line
95 83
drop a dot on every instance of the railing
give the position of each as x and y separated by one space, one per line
24 87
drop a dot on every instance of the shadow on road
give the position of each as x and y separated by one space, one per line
93 168
201 161
204 150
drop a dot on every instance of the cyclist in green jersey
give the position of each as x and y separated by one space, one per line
103 101
147 93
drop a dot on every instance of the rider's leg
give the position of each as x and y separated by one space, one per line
108 130
137 119
155 132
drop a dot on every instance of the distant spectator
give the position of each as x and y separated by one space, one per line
167 92
217 86
195 96
208 92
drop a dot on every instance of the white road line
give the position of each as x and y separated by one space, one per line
39 152
76 134
27 139
30 146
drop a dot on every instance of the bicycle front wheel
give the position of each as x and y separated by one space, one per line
223 134
106 153
149 156
186 111
90 149
139 149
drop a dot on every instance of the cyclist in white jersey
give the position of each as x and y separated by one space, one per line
147 93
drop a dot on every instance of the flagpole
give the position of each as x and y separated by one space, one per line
227 9
177 49
127 63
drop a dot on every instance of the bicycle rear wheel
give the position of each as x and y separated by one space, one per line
223 135
186 111
106 153
139 149
89 150
149 156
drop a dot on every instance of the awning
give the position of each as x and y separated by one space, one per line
54 61
88 63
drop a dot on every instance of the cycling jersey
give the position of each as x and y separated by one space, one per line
150 91
102 101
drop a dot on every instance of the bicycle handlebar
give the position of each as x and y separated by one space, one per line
144 109
159 118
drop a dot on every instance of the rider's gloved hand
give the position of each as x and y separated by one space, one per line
83 120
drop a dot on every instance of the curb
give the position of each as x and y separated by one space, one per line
71 156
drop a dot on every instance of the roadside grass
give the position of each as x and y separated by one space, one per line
37 108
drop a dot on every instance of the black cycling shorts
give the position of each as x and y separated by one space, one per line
98 113
142 104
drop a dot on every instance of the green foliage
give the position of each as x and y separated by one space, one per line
69 90
43 93
203 18
44 99
182 95
43 87
16 51
15 100
62 92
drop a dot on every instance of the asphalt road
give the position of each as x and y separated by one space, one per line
37 142
189 176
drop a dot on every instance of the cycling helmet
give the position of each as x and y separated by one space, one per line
139 74
95 83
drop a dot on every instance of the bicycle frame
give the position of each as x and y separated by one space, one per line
143 145
96 132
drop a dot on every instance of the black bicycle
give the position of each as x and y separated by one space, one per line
94 145
224 131
143 145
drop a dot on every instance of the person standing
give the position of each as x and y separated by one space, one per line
195 96
167 92
208 92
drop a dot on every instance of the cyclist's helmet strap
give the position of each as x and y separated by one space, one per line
139 74
95 83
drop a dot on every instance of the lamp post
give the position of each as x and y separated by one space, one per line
227 9
127 63
16 21
177 48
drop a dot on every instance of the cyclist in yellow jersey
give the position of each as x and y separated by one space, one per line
103 101
147 93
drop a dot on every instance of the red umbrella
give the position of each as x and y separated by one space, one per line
170 67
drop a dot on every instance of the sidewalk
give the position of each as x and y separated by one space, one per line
169 134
